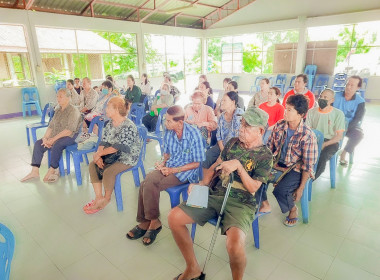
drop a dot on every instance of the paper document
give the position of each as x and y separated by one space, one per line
198 197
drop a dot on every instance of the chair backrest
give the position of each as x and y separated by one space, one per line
258 79
321 80
143 133
30 94
6 251
320 139
137 112
44 112
59 84
280 79
99 121
364 84
156 93
311 69
160 121
235 78
291 84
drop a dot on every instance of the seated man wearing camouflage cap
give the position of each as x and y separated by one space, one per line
251 162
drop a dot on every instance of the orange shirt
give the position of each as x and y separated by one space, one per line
275 112
309 94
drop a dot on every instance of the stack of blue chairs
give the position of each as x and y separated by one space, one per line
30 97
6 251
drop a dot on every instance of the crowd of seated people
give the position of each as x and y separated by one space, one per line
253 144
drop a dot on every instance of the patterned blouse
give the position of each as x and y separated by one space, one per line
124 138
227 130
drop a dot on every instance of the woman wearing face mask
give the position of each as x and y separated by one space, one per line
274 109
75 100
163 100
100 107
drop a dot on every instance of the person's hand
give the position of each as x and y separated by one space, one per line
44 141
50 142
323 145
159 164
155 112
298 194
96 157
100 163
166 171
228 167
190 188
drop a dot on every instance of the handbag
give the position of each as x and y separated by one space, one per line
107 161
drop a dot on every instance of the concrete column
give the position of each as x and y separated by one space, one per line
302 44
204 55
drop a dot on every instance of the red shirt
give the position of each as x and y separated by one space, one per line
275 112
309 94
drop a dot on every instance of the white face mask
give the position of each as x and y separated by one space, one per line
164 92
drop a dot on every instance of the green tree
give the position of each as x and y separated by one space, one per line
251 59
351 40
214 53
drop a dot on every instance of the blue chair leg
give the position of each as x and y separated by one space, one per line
61 167
143 171
333 171
34 135
351 158
86 158
118 195
256 234
28 136
29 110
160 141
78 174
310 186
68 166
193 230
23 111
39 112
305 204
136 177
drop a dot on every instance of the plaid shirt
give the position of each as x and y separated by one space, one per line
183 151
302 146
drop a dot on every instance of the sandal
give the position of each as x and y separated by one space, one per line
200 277
343 162
289 220
259 214
151 234
137 233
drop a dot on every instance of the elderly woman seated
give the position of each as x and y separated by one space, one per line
200 115
118 151
61 132
163 100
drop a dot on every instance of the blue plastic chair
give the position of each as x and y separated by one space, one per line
310 71
257 82
158 134
135 169
320 140
78 154
30 97
339 81
7 249
136 113
32 127
235 78
148 101
280 82
321 82
291 84
363 88
59 84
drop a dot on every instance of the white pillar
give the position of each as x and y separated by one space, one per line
302 44
204 55
141 51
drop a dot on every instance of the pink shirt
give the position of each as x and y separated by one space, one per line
205 114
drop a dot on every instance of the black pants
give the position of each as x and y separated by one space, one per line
285 189
354 135
150 122
324 157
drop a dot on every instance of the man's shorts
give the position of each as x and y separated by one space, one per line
236 214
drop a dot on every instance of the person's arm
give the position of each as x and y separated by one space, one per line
172 170
298 193
359 115
338 136
210 122
136 94
220 144
63 133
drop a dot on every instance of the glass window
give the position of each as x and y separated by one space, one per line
14 57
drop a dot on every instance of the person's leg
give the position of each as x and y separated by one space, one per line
153 123
354 135
264 207
109 177
324 157
236 251
146 121
38 153
96 184
178 220
284 193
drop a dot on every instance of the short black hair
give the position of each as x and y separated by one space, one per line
304 77
300 103
233 96
358 78
71 81
108 84
234 84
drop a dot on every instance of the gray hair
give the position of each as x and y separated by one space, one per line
66 91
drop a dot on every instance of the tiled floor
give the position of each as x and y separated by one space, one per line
56 240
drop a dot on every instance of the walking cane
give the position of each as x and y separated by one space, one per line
213 239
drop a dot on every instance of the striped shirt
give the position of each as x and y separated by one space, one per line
183 151
302 146
227 130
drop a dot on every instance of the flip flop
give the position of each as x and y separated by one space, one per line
288 220
259 214
137 233
88 205
343 162
151 234
200 277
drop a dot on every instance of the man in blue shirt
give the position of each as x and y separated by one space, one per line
183 152
353 107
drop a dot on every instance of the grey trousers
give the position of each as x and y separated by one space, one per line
354 135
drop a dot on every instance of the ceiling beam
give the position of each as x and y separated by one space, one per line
154 10
85 9
200 4
15 5
137 10
29 5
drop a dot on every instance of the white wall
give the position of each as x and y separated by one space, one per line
11 97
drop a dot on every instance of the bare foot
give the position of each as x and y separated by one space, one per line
265 207
30 176
51 171
190 273
292 218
